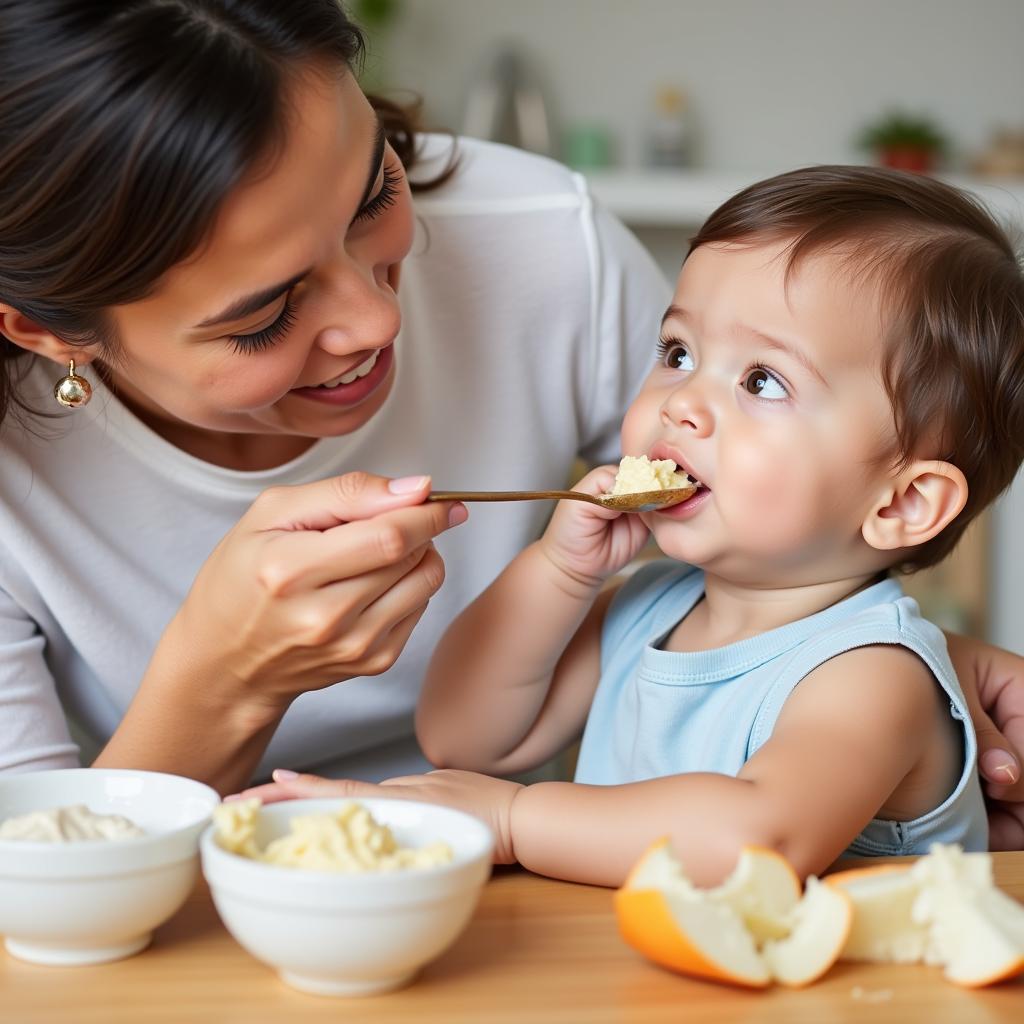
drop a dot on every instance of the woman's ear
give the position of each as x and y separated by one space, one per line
33 337
918 505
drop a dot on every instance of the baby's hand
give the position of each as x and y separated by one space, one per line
590 543
484 797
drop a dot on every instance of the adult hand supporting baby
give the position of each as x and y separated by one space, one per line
315 584
993 683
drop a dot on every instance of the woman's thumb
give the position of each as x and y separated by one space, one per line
327 503
995 761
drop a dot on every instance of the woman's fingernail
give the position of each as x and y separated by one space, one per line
458 514
283 775
999 766
408 484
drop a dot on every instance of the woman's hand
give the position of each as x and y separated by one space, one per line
315 584
993 683
482 796
589 543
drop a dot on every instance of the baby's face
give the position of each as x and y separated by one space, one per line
771 396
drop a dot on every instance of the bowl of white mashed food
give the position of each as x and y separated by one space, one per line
93 859
345 897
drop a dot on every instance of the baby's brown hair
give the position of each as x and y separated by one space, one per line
952 292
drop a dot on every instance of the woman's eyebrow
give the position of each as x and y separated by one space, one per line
253 303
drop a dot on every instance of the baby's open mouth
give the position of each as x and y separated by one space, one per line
686 472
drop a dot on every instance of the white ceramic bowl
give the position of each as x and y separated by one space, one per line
351 934
93 901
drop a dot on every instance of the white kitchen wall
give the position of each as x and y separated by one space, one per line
775 83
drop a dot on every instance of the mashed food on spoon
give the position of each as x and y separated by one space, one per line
348 840
641 474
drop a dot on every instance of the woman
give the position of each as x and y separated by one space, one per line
204 218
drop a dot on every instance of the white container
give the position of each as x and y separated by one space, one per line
88 902
351 934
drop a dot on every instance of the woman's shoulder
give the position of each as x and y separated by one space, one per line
490 172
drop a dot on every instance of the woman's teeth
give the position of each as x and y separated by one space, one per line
353 375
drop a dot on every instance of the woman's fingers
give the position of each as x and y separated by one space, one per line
295 561
1006 827
338 499
997 763
350 623
992 681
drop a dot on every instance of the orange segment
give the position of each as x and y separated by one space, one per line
694 937
763 889
821 925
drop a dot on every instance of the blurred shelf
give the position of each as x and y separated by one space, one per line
684 198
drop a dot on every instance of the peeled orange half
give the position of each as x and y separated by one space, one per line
752 929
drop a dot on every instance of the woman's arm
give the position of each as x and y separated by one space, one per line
315 584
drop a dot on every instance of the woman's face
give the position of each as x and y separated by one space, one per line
283 322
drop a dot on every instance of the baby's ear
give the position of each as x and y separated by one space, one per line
917 505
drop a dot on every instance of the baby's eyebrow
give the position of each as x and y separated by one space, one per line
798 354
674 311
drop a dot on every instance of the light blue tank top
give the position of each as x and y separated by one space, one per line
658 713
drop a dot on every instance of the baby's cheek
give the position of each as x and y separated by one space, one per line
637 427
780 494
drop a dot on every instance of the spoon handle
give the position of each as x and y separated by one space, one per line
510 496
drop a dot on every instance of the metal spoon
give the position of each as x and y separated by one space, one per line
638 501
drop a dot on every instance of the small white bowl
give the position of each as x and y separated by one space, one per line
88 902
351 934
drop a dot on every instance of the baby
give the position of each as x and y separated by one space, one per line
842 369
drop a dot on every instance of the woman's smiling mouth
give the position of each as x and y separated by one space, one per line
353 375
355 385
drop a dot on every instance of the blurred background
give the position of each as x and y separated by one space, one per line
669 106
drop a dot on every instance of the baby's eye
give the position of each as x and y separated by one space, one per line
762 383
674 355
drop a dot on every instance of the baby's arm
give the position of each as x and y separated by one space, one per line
512 679
848 742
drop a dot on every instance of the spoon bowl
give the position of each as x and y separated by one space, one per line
635 501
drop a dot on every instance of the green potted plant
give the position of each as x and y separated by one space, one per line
908 142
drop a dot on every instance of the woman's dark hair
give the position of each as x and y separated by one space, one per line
952 293
124 124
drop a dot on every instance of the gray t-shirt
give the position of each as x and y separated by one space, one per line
529 321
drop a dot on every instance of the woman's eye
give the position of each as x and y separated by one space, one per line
387 194
264 338
762 383
674 355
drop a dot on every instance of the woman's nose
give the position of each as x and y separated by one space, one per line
363 311
686 407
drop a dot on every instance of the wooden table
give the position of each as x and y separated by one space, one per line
536 950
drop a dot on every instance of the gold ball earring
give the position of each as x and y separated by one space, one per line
72 391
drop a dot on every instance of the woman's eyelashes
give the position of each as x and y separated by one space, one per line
390 187
262 339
